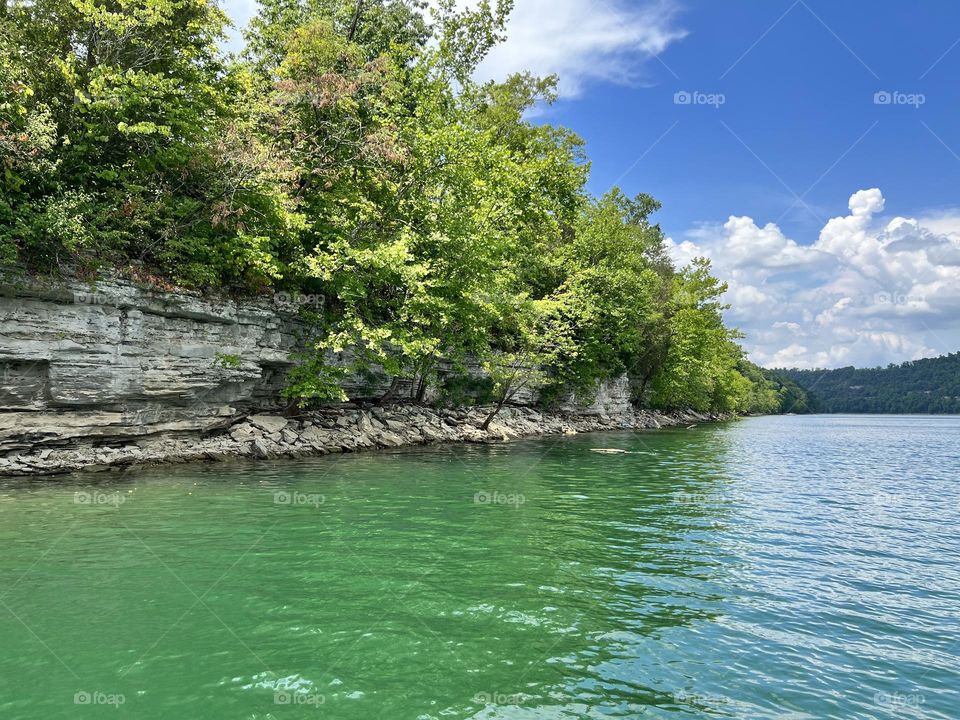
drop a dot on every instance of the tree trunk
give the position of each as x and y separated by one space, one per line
292 408
643 387
493 414
91 60
422 389
388 395
356 21
499 406
510 389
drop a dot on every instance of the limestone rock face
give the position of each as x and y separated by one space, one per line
114 361
87 370
609 398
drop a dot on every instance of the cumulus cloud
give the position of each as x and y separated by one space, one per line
866 292
607 40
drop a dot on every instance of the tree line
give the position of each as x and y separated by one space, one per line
931 385
348 152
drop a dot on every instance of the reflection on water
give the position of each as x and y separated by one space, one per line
800 567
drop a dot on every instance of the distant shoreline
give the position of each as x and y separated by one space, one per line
930 386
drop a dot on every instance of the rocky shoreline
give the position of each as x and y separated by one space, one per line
331 430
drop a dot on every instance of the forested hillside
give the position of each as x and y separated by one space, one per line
773 392
921 386
348 156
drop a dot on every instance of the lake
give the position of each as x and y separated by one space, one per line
775 567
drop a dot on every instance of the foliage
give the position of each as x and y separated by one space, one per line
539 338
462 389
699 368
773 392
227 360
349 152
131 144
931 385
616 282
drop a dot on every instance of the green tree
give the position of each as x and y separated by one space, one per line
138 101
421 193
616 277
699 369
27 134
527 350
349 152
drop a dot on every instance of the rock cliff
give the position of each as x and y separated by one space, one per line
114 361
112 364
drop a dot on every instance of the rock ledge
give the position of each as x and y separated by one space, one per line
332 430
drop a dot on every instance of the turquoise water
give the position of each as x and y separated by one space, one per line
794 567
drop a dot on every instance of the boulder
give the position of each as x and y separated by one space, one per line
389 439
316 437
269 424
365 423
243 432
259 449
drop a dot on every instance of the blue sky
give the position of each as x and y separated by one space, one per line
798 80
832 211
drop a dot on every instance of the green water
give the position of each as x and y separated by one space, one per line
799 567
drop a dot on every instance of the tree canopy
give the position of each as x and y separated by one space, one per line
931 385
348 152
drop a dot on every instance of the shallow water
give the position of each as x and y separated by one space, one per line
791 567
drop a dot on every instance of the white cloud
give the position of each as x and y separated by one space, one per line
866 202
864 293
582 41
791 326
